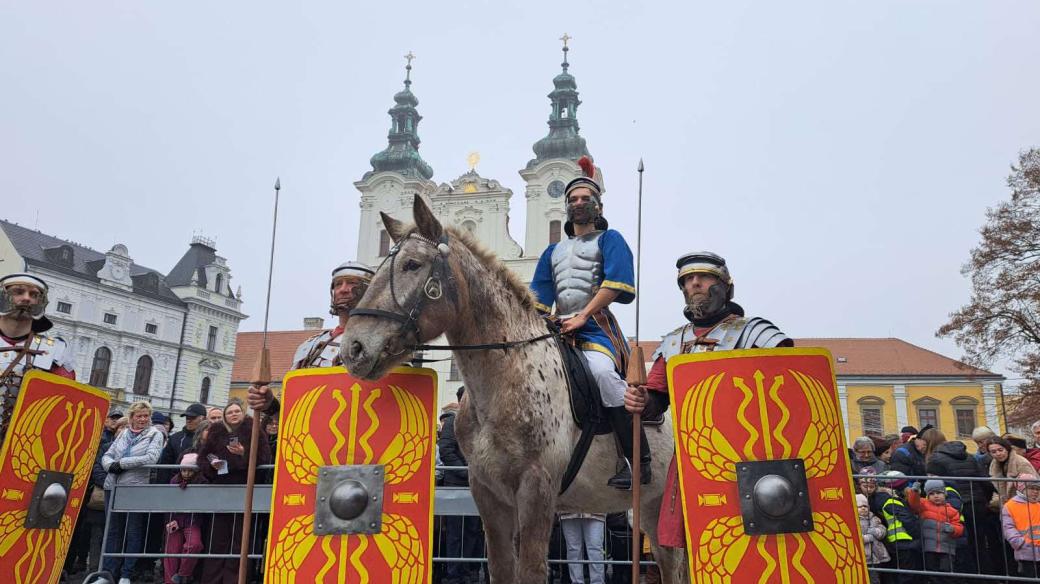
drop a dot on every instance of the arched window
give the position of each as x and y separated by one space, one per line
204 392
99 368
217 284
384 243
143 376
554 231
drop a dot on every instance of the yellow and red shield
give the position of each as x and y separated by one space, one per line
763 405
55 427
329 418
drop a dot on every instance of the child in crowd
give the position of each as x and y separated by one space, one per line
184 530
1020 518
940 525
873 537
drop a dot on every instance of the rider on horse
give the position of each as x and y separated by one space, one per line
716 323
582 275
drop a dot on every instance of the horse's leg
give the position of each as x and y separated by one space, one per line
535 504
499 518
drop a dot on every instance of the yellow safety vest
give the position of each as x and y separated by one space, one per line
896 531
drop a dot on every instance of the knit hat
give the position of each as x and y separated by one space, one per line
1027 480
190 458
861 501
893 479
934 485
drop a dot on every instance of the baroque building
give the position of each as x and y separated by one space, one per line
169 339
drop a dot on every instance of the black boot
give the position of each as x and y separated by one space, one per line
621 422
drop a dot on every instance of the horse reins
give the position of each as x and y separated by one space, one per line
433 290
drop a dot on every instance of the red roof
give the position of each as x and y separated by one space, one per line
281 345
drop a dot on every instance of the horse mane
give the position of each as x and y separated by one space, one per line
489 260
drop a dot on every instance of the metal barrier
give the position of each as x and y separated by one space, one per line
981 553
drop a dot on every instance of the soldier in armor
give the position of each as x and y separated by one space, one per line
582 275
349 282
716 323
23 300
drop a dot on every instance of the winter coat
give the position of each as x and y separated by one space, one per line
176 446
892 504
451 455
875 466
185 519
217 440
951 459
1033 456
873 539
1016 465
1020 521
940 524
907 460
133 451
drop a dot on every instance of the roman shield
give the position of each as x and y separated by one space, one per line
354 481
45 466
763 467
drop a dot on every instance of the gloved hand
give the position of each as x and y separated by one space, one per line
115 468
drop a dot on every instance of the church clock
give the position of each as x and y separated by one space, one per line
555 189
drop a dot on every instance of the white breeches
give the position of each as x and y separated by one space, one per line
611 386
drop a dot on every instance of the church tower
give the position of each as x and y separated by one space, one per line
555 164
398 173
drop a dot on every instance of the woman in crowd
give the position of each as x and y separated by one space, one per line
139 445
864 461
1006 464
223 460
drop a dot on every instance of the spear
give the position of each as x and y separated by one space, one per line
636 375
261 376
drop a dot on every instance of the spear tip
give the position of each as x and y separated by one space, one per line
278 183
640 165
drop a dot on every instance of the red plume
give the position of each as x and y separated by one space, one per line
587 168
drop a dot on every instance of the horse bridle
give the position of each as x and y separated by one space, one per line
433 290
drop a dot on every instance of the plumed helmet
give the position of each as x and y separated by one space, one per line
704 262
587 180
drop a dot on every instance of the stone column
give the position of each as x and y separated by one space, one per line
843 401
902 413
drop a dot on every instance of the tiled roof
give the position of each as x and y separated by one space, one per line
281 345
86 262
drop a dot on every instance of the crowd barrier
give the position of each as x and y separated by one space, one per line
978 558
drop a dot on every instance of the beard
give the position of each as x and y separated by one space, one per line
21 312
697 305
344 305
582 214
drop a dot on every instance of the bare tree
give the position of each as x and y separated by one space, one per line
1002 320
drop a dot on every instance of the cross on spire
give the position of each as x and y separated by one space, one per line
408 68
565 38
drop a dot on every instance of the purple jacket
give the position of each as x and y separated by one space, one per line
185 519
1024 551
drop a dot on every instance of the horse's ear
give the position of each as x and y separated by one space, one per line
429 226
394 228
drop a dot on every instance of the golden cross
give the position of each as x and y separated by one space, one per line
566 37
409 58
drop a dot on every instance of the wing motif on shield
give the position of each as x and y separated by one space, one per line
744 410
360 430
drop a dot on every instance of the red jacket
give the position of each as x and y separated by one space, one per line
935 536
1033 456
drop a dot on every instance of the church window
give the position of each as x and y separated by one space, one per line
218 283
204 392
384 243
151 328
554 231
211 340
143 376
64 307
110 318
99 368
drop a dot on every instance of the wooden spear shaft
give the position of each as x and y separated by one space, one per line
636 375
261 376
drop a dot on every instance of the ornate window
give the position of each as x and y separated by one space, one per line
218 283
64 307
927 411
110 318
204 392
554 231
151 328
384 243
965 411
211 340
99 368
871 412
143 375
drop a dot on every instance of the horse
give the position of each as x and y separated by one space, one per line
515 425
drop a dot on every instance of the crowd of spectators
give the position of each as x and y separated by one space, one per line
979 515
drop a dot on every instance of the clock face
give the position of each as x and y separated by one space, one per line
555 189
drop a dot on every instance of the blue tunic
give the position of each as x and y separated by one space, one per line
618 274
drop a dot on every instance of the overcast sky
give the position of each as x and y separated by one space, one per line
840 155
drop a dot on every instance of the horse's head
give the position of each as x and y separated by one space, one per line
409 301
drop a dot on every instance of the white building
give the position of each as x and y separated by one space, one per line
140 334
